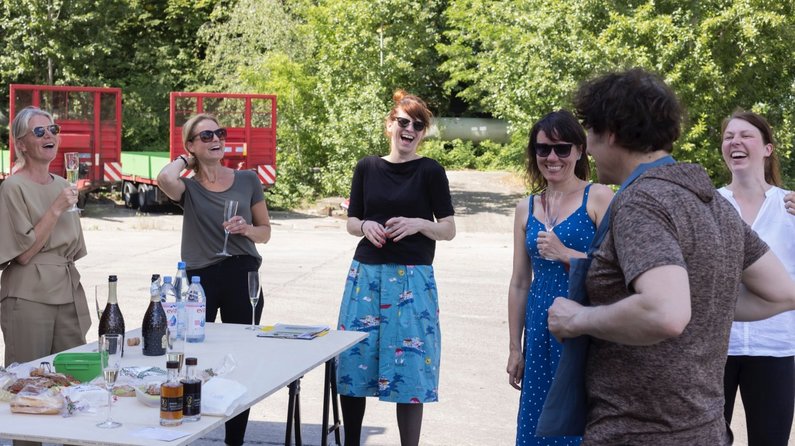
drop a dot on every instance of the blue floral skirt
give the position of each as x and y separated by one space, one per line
398 307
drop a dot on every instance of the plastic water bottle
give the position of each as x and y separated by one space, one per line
181 284
169 300
196 307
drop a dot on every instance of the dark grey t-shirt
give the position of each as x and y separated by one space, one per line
669 393
202 222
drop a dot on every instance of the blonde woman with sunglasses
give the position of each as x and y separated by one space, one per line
43 307
202 197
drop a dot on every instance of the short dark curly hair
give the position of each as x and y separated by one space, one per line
636 106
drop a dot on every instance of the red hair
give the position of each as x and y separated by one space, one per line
412 105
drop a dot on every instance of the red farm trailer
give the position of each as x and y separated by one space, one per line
90 120
250 120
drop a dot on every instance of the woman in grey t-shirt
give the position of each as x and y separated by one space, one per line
202 197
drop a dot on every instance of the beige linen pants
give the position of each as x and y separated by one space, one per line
32 330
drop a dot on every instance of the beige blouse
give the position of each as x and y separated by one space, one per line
50 277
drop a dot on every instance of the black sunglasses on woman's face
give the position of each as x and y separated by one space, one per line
404 123
207 135
562 150
38 132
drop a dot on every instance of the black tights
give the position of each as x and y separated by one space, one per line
767 387
409 419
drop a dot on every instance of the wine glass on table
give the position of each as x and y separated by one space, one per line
551 201
230 210
72 165
253 295
110 356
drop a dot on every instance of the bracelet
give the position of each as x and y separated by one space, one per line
361 228
184 159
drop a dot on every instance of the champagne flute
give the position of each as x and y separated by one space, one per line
552 201
72 163
253 295
230 210
110 355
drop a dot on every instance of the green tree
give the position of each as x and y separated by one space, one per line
521 59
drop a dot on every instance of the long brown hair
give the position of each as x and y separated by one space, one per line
772 163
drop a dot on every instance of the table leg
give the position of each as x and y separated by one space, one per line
330 390
293 413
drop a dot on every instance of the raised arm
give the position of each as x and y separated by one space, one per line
169 180
44 227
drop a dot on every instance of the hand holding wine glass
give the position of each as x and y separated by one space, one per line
230 210
254 290
552 202
110 346
72 166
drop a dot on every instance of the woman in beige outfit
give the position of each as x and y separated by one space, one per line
43 307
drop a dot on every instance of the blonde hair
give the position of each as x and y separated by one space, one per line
189 127
20 127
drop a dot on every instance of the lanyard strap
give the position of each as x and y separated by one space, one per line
604 226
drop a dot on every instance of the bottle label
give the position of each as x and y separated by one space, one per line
195 317
168 404
171 313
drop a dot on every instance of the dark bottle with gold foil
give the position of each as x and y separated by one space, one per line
112 322
155 323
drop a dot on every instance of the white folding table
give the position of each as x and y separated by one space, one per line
264 365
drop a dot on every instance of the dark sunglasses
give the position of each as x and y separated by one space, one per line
404 123
207 135
561 150
54 129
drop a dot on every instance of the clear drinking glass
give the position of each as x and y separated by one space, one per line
72 165
175 350
230 210
110 355
552 201
253 295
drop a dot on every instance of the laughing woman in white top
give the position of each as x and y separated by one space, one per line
761 354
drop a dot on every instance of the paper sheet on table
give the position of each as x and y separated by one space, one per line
159 433
220 396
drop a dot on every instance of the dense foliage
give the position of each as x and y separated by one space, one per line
335 63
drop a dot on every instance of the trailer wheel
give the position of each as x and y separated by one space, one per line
144 203
130 195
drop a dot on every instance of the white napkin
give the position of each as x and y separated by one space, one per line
220 396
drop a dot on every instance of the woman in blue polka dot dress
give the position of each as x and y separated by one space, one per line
556 162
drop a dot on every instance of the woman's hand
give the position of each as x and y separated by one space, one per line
237 225
398 228
374 232
515 369
550 247
789 203
65 200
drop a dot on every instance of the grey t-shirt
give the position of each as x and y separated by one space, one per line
202 222
669 393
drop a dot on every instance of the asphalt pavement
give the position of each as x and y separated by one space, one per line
303 272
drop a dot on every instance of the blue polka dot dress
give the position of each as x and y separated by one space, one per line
542 351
